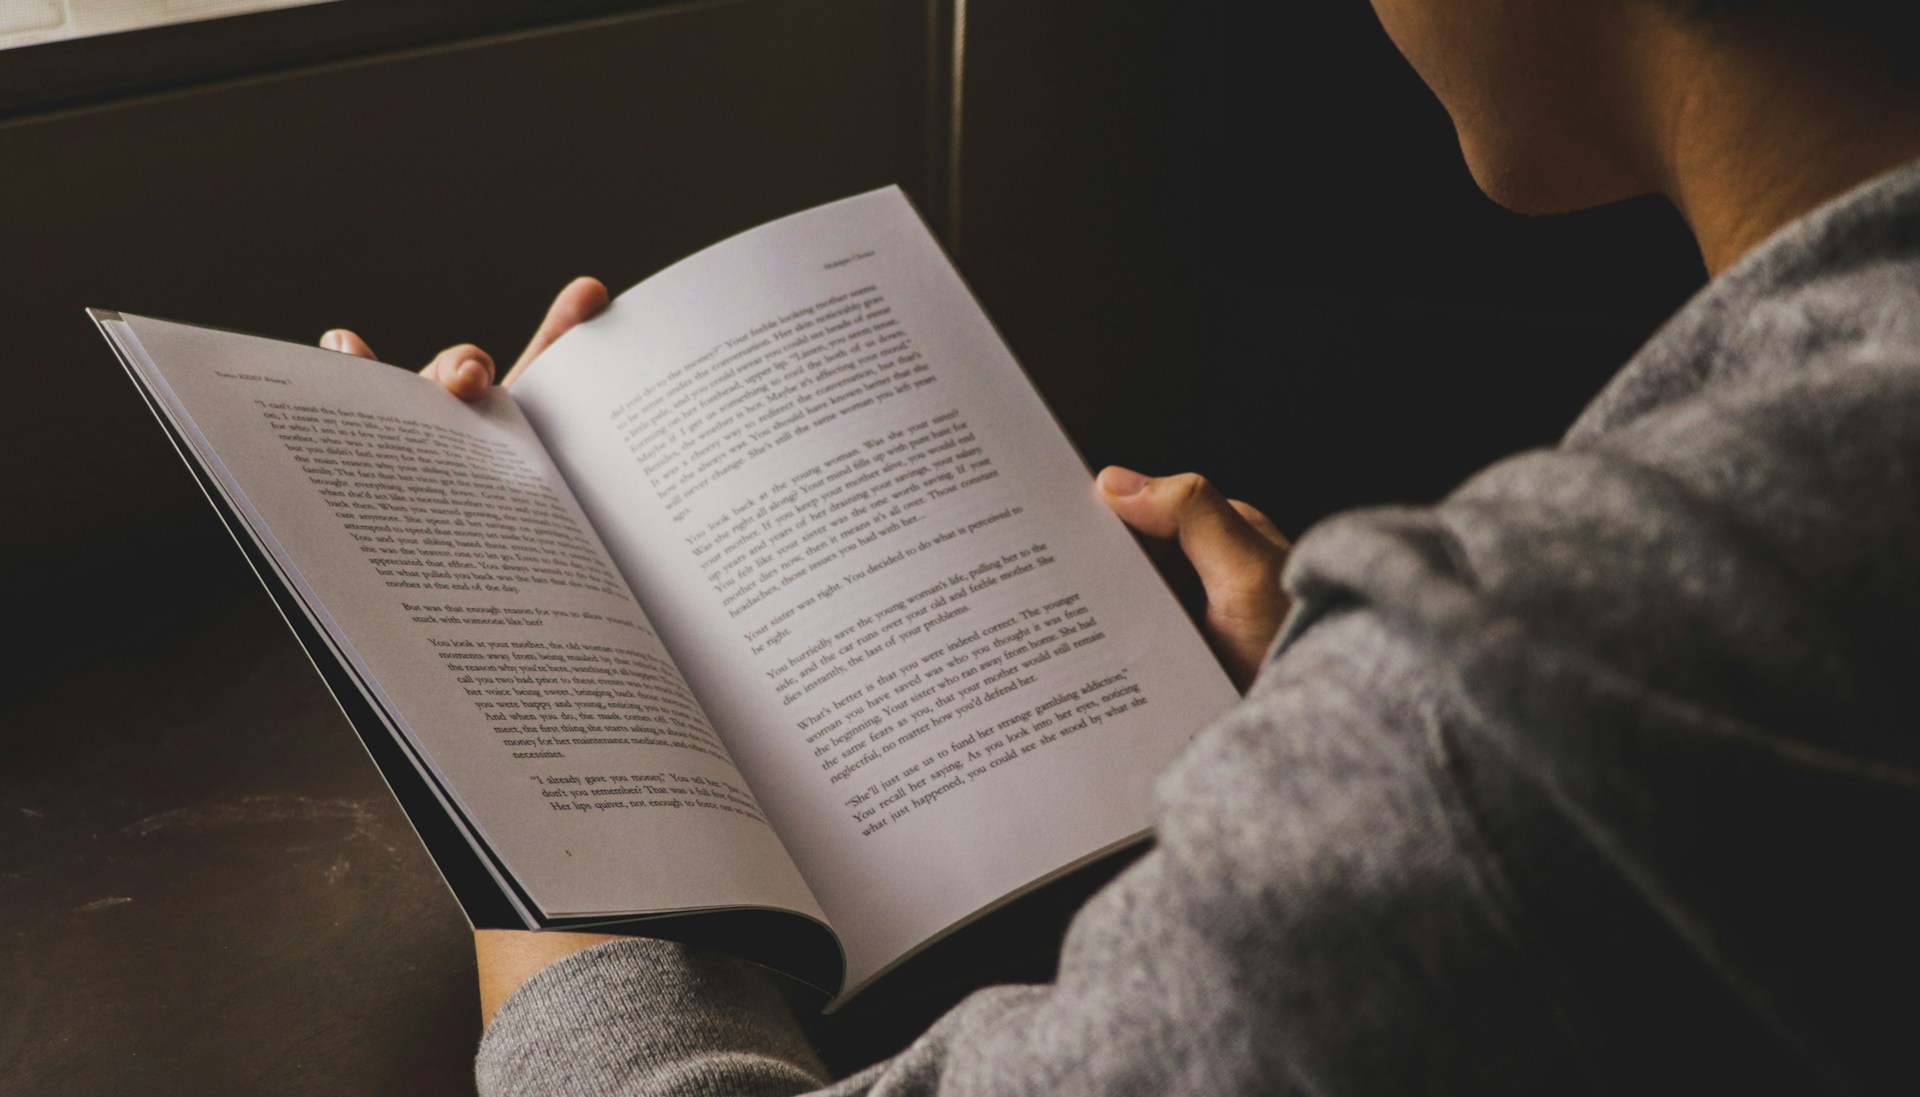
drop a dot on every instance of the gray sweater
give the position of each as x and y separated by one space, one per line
1599 776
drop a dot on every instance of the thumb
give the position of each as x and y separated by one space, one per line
1226 549
578 300
1238 562
346 342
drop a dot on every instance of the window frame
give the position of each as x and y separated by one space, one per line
75 72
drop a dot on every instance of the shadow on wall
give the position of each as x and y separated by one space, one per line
1370 328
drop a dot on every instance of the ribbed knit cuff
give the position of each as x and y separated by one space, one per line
642 1016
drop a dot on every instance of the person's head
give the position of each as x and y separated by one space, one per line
1561 104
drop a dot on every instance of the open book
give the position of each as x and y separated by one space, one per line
770 610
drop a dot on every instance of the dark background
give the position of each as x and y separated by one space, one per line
1223 238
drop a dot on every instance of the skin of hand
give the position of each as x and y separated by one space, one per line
1235 551
467 371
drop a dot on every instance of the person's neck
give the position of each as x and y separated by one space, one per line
1749 132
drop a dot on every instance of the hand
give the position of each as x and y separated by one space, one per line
1236 552
466 370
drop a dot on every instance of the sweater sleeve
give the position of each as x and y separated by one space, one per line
1586 780
1306 891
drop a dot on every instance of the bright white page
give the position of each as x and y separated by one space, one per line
439 548
943 665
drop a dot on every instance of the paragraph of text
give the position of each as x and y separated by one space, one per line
756 392
854 500
437 509
905 619
541 697
987 750
598 793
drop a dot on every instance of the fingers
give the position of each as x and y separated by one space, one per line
1234 549
346 342
465 370
1226 547
469 372
582 298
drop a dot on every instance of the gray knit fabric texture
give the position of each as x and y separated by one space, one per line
1601 776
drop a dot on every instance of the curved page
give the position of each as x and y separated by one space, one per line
944 666
447 560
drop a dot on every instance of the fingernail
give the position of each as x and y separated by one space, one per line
334 339
1115 480
472 372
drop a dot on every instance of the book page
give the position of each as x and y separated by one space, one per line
437 547
943 665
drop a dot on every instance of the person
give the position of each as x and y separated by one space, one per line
1596 776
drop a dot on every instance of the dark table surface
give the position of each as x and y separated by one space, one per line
205 886
207 889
